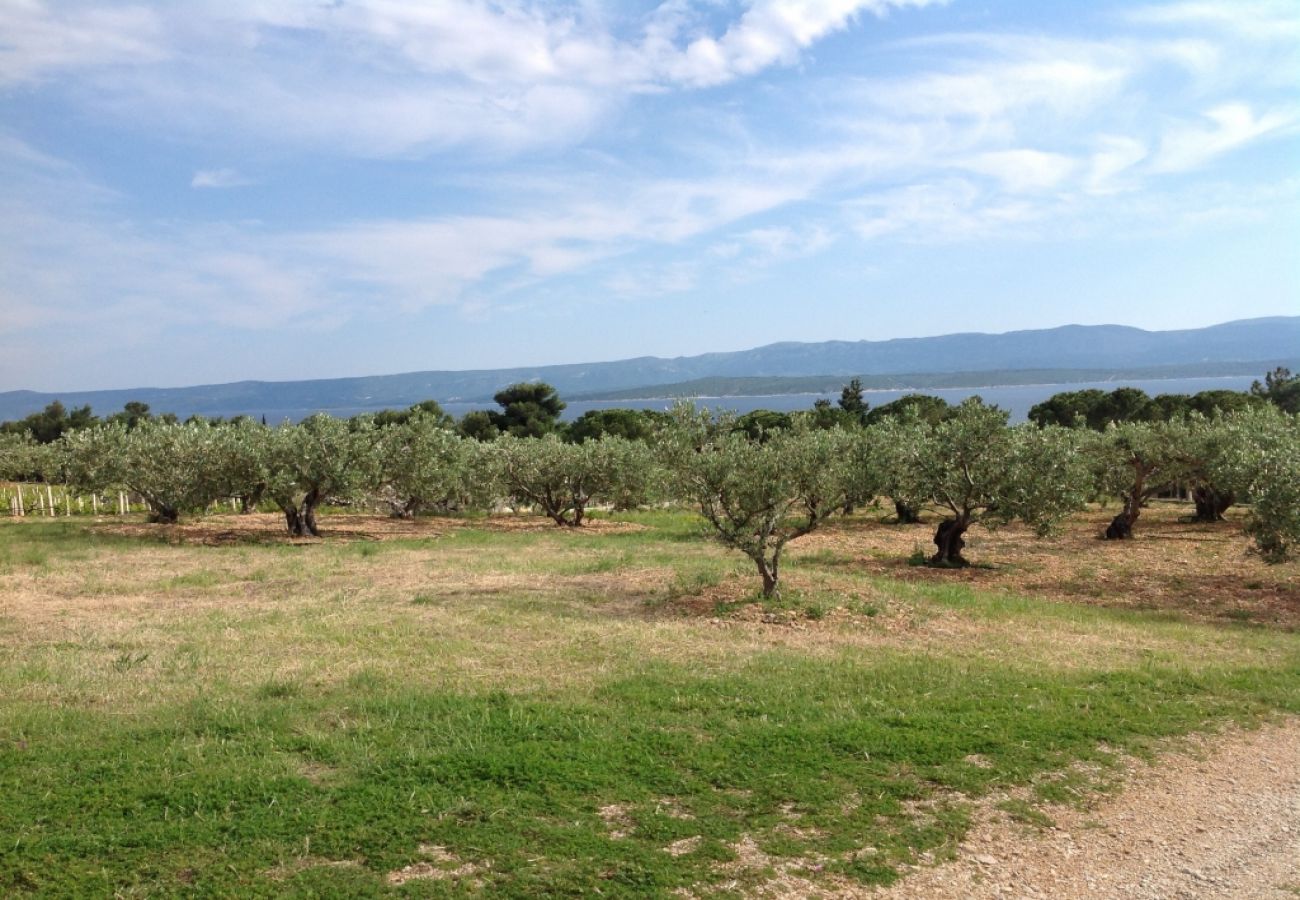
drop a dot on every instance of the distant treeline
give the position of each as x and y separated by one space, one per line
532 409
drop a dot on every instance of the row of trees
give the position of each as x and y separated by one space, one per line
758 489
533 409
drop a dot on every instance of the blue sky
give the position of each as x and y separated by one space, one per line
213 191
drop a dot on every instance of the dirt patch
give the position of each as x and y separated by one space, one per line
684 846
618 819
1220 819
440 865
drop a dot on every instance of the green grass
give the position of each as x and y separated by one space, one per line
309 731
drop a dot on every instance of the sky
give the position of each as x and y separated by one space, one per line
220 190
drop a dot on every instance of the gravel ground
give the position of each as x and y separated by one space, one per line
1220 820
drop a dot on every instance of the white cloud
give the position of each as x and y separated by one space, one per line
1191 144
39 39
971 138
1274 21
770 32
1115 156
388 78
1021 170
218 178
948 210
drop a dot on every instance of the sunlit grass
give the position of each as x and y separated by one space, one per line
551 711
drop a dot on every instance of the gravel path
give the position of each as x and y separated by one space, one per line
1221 821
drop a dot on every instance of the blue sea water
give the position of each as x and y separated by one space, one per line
1017 399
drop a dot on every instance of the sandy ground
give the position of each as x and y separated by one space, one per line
1220 821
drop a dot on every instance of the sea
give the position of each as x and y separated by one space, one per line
1016 399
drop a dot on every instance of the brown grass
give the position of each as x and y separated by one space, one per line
130 624
269 528
1198 570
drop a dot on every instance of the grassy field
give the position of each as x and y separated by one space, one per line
502 707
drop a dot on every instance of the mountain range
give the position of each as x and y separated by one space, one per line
1057 355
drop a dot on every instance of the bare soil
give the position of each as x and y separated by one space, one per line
1219 820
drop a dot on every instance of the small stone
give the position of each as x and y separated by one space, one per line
985 860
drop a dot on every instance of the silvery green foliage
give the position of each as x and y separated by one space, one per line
565 479
1045 479
758 496
1134 461
168 464
975 467
422 465
320 458
239 463
882 460
1259 457
22 458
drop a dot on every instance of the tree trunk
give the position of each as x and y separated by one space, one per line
948 540
164 515
1211 504
904 514
301 519
1121 527
406 510
770 574
248 502
308 520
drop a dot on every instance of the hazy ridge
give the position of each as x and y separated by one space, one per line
1072 353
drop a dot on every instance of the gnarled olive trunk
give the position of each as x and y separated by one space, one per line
948 539
904 514
162 514
398 509
770 572
1211 503
248 502
301 519
1121 527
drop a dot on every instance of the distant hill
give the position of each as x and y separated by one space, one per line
1105 348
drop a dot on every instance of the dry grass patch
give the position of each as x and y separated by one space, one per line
1204 571
440 865
269 528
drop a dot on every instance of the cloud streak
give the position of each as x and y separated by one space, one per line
218 178
551 150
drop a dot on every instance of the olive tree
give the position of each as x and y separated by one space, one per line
1260 458
564 479
979 471
1207 440
1135 461
423 464
21 458
881 461
321 457
758 496
240 462
166 463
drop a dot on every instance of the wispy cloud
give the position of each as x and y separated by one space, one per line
1189 145
44 40
583 144
219 178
